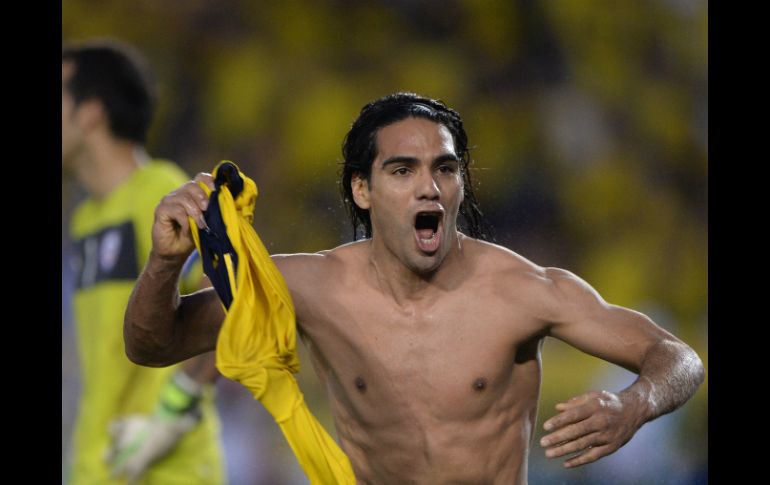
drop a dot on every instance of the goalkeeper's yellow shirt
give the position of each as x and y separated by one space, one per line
112 240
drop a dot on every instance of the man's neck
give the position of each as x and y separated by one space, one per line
409 287
106 165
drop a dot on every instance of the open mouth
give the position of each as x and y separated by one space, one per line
426 226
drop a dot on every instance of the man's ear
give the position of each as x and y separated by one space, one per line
91 114
360 188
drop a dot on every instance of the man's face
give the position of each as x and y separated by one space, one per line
415 192
71 134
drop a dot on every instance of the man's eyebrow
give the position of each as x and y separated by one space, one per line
446 157
400 159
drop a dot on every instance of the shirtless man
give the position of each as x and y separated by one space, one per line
427 339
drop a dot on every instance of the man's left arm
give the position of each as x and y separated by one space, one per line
599 423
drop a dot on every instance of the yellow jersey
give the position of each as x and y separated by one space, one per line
258 339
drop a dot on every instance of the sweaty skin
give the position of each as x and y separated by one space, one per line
429 349
439 389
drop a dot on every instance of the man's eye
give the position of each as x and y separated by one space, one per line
446 169
401 171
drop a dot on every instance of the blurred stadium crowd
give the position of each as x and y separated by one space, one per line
589 121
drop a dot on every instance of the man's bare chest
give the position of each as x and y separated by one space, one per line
430 356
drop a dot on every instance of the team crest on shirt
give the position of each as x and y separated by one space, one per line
106 255
109 249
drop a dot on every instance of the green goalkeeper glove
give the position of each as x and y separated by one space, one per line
140 440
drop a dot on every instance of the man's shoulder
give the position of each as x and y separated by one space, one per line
505 268
165 166
162 175
494 259
322 264
316 277
538 287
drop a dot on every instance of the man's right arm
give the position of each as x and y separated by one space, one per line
161 327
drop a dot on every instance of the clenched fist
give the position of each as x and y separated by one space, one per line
171 238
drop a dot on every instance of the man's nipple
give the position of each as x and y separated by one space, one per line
480 384
360 384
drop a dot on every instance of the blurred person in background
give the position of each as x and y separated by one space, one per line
427 340
134 424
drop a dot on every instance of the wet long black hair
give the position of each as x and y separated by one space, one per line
359 149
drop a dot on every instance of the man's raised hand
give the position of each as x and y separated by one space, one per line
171 238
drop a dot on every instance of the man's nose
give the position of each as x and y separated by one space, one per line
427 188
